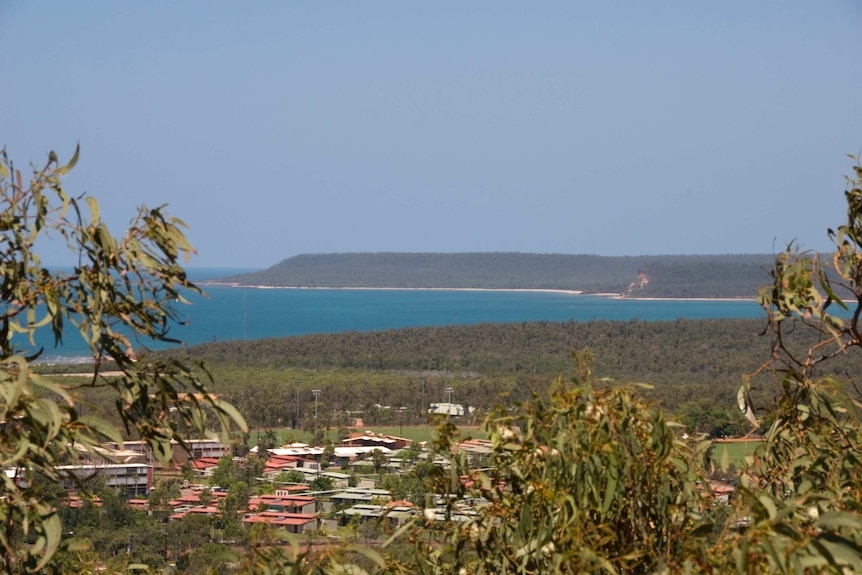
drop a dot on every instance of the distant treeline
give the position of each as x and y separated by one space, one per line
685 350
714 276
689 365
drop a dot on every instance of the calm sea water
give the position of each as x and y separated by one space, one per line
247 313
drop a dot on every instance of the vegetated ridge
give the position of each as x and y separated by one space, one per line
682 351
685 363
676 276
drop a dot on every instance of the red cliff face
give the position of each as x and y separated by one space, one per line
641 282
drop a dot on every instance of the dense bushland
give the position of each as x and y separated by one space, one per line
693 368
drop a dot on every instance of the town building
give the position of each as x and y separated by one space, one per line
197 449
131 479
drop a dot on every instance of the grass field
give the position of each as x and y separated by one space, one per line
733 452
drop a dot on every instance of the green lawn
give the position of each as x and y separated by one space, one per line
733 452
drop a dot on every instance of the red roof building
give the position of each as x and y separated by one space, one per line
284 503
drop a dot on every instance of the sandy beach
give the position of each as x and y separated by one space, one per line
608 295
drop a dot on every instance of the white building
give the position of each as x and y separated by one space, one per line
451 409
133 479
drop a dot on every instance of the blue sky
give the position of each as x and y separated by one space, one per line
612 128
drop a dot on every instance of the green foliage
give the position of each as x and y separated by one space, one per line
265 442
586 480
209 558
289 477
379 461
187 471
226 472
160 497
253 468
120 294
799 494
493 364
112 535
328 455
480 356
704 416
321 483
276 552
206 496
409 486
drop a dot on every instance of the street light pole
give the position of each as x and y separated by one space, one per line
449 391
316 393
296 420
400 411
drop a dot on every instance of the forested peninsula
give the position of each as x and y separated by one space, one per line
677 276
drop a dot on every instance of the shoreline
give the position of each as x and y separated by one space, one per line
608 295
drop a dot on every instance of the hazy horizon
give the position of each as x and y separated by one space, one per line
253 268
277 129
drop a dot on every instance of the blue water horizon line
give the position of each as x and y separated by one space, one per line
230 313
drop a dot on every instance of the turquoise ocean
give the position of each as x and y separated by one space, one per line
231 313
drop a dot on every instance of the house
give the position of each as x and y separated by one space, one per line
371 439
340 480
275 464
290 522
190 500
462 511
355 496
397 512
75 502
200 448
303 504
475 449
141 504
290 490
211 511
722 491
204 466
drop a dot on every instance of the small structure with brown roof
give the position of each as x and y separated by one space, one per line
291 522
303 504
371 439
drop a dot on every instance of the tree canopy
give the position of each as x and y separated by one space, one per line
121 292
